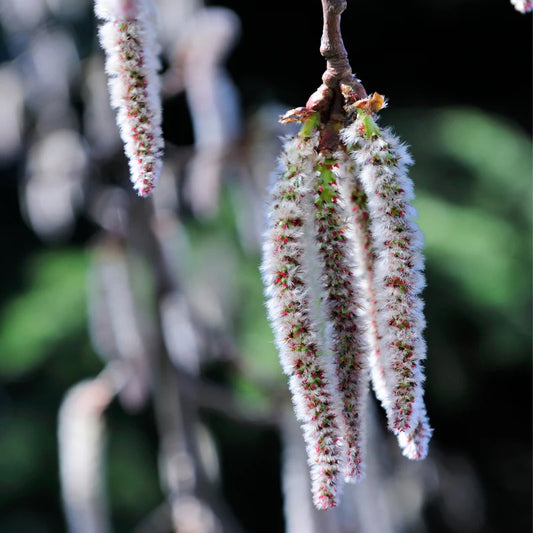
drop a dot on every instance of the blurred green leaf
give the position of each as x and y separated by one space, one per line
476 249
26 444
473 186
497 152
132 469
255 335
51 308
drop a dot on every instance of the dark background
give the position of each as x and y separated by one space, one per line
429 59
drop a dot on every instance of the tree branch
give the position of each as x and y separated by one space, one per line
339 85
332 46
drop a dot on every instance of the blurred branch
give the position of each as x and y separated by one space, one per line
158 521
332 47
222 401
81 436
197 67
195 506
116 329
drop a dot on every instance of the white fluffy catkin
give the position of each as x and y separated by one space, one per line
524 6
342 300
132 66
358 232
290 301
398 273
343 271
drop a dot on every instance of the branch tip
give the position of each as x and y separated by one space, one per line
331 46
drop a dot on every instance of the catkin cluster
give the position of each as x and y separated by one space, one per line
343 272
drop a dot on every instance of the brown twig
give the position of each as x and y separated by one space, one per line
332 46
339 87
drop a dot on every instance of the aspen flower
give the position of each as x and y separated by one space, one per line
358 221
342 301
414 445
343 271
132 64
287 274
398 278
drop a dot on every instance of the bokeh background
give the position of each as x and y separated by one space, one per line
457 75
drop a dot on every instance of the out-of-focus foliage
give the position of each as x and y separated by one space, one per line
474 183
50 309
